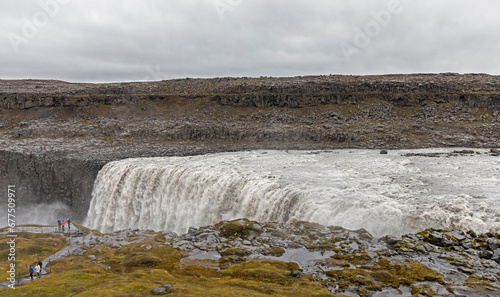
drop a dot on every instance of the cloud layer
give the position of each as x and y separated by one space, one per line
126 40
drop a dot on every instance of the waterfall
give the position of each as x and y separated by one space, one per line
156 194
385 194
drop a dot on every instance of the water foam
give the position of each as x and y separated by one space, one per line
385 194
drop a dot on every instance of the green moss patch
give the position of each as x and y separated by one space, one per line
382 274
29 248
263 271
238 228
274 251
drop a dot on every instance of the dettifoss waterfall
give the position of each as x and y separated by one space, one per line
384 194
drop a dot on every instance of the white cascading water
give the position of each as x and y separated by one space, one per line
385 194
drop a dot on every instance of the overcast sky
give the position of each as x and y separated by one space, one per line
125 40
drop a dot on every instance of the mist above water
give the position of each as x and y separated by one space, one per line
40 214
385 194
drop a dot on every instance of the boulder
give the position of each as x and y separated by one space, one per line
464 152
275 251
486 255
163 290
390 240
79 252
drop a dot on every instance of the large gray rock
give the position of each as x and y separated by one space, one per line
163 290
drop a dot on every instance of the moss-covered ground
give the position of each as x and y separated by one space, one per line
29 248
134 262
136 269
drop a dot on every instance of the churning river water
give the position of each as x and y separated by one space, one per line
384 194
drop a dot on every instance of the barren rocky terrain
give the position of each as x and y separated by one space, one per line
338 111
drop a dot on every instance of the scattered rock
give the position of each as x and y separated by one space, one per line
466 270
79 252
163 290
390 240
464 152
275 251
428 261
235 252
486 255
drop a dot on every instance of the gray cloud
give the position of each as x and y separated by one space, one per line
113 40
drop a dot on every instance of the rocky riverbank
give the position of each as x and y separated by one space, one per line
246 258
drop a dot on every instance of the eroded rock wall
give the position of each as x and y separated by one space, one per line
48 179
478 90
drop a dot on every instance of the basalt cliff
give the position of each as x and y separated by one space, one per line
55 136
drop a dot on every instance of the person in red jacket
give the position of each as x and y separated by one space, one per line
62 224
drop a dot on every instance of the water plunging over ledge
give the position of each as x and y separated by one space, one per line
385 194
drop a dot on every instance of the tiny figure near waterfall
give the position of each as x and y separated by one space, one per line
62 224
58 225
69 224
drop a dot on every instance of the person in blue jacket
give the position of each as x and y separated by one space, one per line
31 271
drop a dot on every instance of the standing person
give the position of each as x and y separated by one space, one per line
41 265
37 270
69 224
59 225
31 270
62 224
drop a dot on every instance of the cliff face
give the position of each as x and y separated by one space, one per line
48 179
479 91
83 126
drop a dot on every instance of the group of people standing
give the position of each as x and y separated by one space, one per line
37 269
61 224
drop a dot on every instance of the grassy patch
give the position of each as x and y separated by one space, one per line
384 273
354 258
237 228
480 283
275 251
29 248
85 229
136 269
